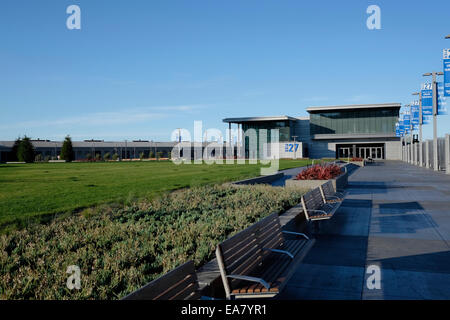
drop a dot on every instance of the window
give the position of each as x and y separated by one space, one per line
354 121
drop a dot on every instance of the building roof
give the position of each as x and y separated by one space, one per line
355 106
254 119
89 144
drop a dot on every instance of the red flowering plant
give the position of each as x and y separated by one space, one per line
319 172
356 159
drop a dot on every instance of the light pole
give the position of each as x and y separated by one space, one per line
420 126
411 157
179 134
295 150
435 142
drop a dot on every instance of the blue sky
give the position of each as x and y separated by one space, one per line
140 69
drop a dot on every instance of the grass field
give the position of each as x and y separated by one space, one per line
32 192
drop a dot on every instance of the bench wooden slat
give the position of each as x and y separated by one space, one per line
236 253
242 266
315 200
179 291
246 259
238 238
272 267
180 283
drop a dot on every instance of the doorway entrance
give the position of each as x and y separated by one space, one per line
374 151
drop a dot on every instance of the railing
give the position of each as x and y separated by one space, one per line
423 154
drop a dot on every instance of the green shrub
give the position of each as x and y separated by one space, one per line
141 155
25 152
14 150
107 156
120 250
67 150
115 156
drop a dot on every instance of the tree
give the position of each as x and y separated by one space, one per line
25 152
15 150
67 150
115 156
107 156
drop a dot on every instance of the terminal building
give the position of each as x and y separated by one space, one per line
362 131
92 148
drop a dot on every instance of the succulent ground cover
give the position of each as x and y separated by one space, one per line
119 249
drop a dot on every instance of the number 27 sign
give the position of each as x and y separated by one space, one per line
291 147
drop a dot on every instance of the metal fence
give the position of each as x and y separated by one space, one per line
422 154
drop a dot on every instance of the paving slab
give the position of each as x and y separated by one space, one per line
316 281
395 215
406 285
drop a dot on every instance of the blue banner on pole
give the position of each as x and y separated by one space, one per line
427 99
405 123
446 86
415 113
442 100
407 120
401 128
397 130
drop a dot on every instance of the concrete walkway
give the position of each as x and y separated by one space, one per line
395 216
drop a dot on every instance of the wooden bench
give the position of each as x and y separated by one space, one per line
316 208
258 261
329 195
178 284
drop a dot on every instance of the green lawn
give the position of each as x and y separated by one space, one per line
32 191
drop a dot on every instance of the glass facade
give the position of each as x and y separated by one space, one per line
356 121
284 128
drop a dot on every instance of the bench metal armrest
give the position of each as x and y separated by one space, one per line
329 205
333 197
251 279
296 233
280 251
310 210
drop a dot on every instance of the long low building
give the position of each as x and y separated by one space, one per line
83 149
363 131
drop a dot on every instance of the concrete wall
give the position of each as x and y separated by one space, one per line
327 148
393 150
322 149
286 150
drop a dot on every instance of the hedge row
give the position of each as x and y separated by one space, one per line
119 250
